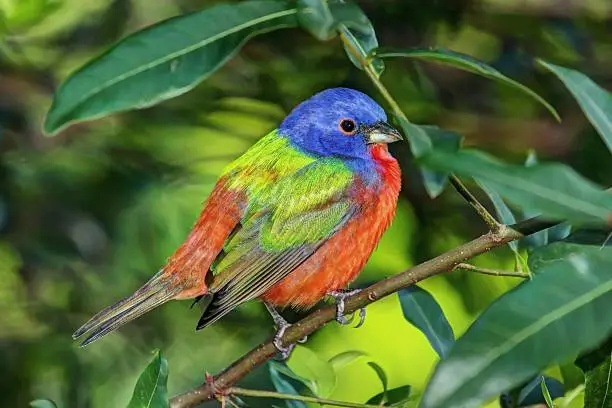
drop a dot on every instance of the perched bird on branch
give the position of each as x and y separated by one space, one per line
294 219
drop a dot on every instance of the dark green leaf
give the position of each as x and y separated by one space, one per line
422 139
552 189
541 322
380 372
466 63
423 312
340 360
43 403
285 387
558 251
287 372
559 232
596 103
150 390
418 137
163 61
358 31
316 17
531 394
394 397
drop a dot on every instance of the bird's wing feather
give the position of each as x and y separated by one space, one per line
284 223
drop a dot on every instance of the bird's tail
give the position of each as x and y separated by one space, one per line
158 290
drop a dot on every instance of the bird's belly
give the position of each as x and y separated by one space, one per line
337 262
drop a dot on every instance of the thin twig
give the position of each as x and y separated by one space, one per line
293 397
487 271
480 209
486 216
438 265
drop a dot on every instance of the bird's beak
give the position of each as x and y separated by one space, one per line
381 132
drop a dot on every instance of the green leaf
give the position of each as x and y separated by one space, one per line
541 322
424 138
285 387
552 189
465 63
343 359
320 373
358 31
396 397
382 376
150 390
574 244
316 17
423 312
163 61
287 372
418 137
43 403
324 19
596 103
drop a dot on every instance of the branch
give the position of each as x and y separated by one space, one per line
438 265
278 395
487 271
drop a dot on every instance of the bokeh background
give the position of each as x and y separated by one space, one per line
88 215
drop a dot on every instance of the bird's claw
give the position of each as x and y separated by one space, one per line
284 351
340 296
281 326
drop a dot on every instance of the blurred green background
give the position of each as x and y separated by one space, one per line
88 215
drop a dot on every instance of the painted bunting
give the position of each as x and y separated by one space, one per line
294 219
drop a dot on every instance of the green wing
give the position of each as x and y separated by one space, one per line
284 223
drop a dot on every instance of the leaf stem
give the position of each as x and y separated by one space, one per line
487 271
278 395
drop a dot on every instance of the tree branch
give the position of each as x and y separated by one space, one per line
440 264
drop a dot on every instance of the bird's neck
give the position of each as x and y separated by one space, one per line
386 165
379 170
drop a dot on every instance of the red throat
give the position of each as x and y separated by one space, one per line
387 166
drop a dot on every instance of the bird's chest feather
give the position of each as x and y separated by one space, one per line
343 256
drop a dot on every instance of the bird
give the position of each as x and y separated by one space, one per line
291 221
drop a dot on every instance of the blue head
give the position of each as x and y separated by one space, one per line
341 123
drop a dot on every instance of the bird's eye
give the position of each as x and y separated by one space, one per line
348 126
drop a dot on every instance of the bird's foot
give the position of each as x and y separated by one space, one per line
340 296
281 326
